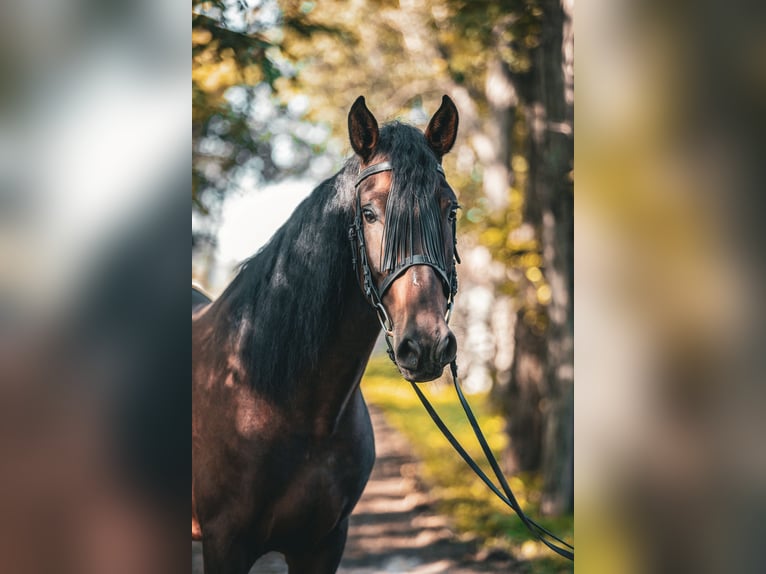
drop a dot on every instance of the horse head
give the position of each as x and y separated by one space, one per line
405 227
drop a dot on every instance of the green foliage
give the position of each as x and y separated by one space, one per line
473 509
238 60
510 28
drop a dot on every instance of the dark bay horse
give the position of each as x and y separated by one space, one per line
282 444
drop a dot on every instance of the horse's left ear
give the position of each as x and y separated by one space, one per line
442 129
362 129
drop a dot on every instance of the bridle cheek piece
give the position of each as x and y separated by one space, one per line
374 293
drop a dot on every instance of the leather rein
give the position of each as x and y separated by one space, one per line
374 295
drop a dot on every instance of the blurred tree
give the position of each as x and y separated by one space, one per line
525 150
539 396
528 224
241 132
552 203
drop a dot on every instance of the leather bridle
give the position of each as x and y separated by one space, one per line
374 293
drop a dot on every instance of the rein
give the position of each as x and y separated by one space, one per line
374 295
506 495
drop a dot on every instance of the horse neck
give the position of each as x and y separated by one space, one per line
325 393
295 316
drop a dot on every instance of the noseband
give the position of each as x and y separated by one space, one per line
374 293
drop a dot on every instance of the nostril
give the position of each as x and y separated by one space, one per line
408 354
447 349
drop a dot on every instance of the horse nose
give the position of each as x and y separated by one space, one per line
408 353
412 356
446 349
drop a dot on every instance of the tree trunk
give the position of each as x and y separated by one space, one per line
552 186
521 400
540 396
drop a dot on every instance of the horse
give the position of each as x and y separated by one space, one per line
282 443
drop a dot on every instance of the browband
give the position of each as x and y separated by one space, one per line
372 170
382 166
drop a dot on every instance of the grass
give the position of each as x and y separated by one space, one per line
461 495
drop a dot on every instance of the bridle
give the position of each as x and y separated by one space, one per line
375 293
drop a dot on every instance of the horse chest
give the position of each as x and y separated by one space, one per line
315 488
270 471
319 490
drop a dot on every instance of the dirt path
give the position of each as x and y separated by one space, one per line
394 528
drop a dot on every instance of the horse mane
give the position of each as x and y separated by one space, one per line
291 290
286 296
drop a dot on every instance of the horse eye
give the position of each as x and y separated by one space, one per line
369 215
453 212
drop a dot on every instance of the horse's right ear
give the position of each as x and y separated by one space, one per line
442 129
362 129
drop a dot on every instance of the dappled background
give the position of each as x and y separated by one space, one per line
272 85
95 174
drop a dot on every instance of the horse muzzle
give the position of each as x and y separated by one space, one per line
422 359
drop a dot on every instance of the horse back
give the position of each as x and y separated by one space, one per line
199 299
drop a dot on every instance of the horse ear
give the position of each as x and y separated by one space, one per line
442 129
362 129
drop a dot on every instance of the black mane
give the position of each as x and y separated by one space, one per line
289 292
